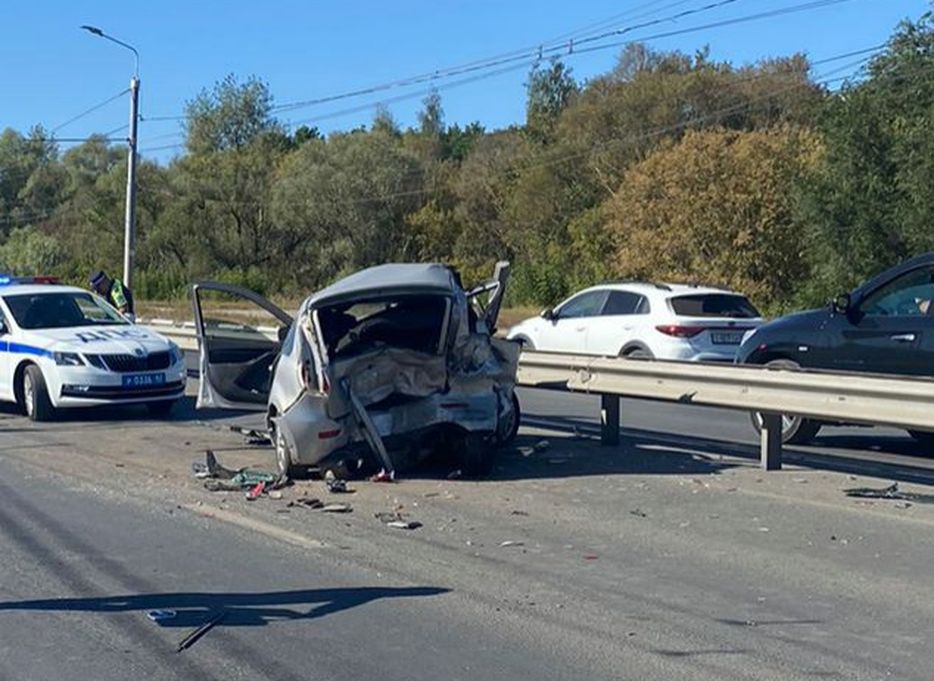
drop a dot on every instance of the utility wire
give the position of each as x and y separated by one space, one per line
528 62
89 111
628 140
528 55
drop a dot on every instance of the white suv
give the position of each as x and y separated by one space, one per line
661 321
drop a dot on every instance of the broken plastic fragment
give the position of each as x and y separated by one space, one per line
336 508
404 524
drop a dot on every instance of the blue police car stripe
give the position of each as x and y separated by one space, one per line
22 349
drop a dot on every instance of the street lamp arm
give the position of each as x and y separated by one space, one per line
98 32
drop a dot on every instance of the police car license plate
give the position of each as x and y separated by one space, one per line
726 338
143 380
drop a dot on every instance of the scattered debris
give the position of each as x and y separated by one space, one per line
253 436
396 520
161 615
218 478
336 485
336 508
638 513
275 494
518 512
526 451
256 491
541 445
307 502
404 524
383 476
455 474
890 492
195 634
511 542
591 556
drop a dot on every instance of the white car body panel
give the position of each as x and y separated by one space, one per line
19 346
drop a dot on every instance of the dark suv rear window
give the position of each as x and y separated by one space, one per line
713 305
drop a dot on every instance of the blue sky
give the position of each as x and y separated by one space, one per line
50 70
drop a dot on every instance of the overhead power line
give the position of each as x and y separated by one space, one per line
90 111
801 7
532 53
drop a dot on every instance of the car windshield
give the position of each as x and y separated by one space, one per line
713 305
61 309
407 322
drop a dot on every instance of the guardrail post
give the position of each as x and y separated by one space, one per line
609 419
771 442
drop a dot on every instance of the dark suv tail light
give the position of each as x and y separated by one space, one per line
680 331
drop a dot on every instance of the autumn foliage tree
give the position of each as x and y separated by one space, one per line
716 208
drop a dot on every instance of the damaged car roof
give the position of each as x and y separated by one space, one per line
397 277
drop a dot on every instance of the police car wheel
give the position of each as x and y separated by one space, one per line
36 400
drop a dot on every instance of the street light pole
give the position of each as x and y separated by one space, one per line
129 226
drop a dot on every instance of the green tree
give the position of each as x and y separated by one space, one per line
870 204
549 92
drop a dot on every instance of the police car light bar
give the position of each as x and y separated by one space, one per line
7 280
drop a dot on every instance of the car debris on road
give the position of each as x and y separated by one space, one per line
890 492
218 478
200 631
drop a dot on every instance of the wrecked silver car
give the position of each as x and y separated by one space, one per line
390 364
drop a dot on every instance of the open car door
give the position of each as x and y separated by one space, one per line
240 334
495 290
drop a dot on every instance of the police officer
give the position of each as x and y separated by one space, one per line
113 291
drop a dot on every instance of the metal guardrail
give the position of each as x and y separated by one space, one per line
851 398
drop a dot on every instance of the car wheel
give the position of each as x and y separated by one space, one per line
161 408
796 430
510 425
924 438
283 454
526 343
639 353
36 402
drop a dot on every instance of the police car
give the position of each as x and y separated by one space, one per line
62 347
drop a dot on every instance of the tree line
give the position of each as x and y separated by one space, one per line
765 178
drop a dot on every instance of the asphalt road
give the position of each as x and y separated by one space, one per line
670 557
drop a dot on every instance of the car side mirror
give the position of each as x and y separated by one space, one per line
548 314
841 304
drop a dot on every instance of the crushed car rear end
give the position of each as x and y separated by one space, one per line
396 358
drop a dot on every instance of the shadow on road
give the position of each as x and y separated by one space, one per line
242 609
651 452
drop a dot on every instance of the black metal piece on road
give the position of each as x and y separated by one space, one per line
609 420
195 634
771 442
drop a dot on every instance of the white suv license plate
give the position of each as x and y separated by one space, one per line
143 380
726 337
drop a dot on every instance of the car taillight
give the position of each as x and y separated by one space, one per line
328 434
680 331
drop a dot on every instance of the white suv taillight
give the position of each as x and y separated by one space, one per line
680 331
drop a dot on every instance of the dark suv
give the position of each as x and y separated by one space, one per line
885 326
